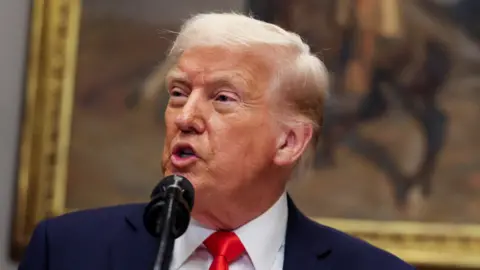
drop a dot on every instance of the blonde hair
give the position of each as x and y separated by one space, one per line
300 78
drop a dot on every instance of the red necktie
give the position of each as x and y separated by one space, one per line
225 248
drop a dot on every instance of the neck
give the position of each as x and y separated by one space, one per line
237 212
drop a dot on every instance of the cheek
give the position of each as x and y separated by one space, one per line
169 119
169 132
248 142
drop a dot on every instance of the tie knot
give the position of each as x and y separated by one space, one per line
225 244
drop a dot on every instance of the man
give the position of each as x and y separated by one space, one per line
245 103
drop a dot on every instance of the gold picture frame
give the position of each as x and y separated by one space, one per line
45 144
45 124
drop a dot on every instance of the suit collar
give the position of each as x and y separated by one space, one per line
305 245
133 247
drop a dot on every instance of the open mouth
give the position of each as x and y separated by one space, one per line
184 151
183 156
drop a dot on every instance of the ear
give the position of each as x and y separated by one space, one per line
292 143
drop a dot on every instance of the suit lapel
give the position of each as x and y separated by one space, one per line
304 248
134 248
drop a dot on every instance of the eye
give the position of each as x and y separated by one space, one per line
226 97
177 92
177 96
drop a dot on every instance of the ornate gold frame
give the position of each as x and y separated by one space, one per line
434 244
45 140
46 118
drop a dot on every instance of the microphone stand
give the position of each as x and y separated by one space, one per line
165 229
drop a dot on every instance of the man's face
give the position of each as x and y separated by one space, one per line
220 132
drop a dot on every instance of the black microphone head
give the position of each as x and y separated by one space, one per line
184 194
179 181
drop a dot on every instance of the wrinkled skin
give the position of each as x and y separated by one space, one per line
219 106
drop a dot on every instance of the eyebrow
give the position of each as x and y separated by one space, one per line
227 79
177 75
218 79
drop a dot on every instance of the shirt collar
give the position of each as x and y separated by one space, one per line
270 227
186 244
264 236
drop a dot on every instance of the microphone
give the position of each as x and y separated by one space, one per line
168 214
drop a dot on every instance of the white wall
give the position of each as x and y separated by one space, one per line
13 35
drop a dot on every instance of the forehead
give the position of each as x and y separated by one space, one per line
251 65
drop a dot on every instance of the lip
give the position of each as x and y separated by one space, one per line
182 162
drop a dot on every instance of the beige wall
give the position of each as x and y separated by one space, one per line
13 34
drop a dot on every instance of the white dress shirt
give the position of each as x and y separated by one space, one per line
263 239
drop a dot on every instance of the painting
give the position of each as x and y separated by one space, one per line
398 164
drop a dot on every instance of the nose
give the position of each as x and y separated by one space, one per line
191 119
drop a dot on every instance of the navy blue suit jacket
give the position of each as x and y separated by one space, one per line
114 238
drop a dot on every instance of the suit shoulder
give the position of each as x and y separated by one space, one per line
91 221
81 238
354 251
96 215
